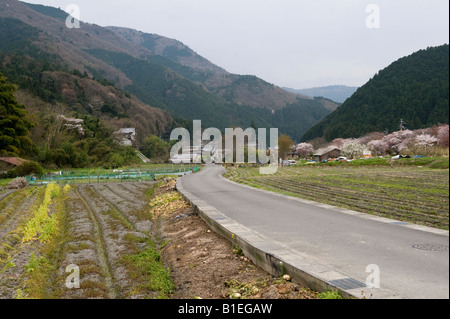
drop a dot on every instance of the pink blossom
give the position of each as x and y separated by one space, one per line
339 142
426 140
443 135
304 149
352 149
378 147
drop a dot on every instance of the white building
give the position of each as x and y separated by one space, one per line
126 136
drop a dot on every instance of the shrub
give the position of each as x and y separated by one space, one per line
27 168
115 161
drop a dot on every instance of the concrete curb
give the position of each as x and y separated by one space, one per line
278 260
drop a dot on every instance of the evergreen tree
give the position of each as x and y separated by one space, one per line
14 125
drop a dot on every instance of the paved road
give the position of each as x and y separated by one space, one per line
345 242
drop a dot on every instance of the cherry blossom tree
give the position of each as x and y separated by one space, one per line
378 147
304 149
400 140
426 140
340 142
371 137
443 135
352 149
406 141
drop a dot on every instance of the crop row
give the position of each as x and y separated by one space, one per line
30 222
435 179
359 203
413 195
101 233
400 199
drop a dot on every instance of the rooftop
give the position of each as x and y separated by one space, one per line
16 161
326 150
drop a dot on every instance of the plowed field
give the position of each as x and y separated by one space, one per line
410 194
131 240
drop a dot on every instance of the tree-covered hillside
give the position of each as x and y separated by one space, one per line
414 88
337 93
163 83
162 72
42 102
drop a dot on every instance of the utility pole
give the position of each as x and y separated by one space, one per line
402 125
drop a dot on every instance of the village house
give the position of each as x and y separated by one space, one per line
126 136
326 153
9 163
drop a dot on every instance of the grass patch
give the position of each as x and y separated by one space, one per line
161 177
151 190
5 181
147 269
330 294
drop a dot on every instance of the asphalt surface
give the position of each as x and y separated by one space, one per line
346 242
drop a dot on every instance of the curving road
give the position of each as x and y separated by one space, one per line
341 240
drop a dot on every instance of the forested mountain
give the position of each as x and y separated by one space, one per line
414 89
41 98
46 77
240 89
161 72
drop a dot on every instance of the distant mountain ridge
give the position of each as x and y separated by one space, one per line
242 89
414 89
177 79
337 93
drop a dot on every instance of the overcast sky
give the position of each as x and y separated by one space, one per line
292 43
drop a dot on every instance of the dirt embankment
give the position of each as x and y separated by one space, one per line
204 265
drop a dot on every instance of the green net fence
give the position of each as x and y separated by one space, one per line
113 175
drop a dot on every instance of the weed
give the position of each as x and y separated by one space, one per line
282 270
9 264
134 238
50 229
34 263
19 294
241 290
151 190
238 250
330 294
43 225
146 267
164 243
166 203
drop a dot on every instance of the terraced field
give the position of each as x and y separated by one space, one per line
410 194
101 234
